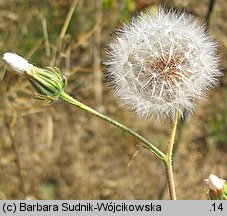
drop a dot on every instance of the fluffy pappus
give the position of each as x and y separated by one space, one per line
162 63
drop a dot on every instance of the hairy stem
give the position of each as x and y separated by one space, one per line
64 96
168 161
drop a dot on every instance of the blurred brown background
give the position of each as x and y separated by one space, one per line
59 152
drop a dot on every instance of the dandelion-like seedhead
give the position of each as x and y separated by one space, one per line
162 63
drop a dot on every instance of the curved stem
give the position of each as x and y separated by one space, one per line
148 145
168 161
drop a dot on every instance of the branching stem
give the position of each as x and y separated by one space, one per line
64 96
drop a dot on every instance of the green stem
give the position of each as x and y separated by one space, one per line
168 160
150 146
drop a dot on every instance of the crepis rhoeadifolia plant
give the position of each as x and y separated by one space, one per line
159 65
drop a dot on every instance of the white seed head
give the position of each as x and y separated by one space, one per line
163 62
16 62
214 183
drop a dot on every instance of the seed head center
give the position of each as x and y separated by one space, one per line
167 69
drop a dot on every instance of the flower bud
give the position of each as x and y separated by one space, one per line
217 188
16 62
215 183
48 83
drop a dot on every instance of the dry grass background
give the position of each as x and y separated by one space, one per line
58 152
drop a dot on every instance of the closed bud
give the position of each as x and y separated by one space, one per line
48 83
217 188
